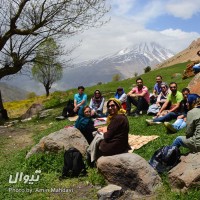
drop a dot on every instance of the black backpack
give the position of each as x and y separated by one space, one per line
68 111
165 158
73 164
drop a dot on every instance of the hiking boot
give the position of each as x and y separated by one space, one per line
151 122
170 127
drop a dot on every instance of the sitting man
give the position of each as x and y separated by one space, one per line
174 98
139 97
80 99
156 90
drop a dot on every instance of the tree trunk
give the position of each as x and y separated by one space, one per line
47 90
3 112
1 102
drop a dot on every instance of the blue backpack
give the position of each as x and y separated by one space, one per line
165 158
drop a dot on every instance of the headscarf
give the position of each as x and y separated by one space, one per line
193 100
120 109
117 95
82 121
97 101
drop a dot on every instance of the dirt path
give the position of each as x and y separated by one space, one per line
14 138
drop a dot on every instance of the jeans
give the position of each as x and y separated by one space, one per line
179 124
178 142
169 116
140 103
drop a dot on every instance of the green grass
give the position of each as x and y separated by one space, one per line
12 161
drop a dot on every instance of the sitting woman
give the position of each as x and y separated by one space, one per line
116 136
121 95
192 138
85 124
96 104
162 97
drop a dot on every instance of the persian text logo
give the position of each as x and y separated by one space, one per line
19 176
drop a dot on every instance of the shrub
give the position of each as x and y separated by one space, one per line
147 69
116 77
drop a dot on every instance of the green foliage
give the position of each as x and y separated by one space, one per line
47 70
116 77
135 74
51 164
31 95
147 69
95 178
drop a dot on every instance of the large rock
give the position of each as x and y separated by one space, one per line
110 192
32 111
187 173
59 140
189 70
130 171
194 84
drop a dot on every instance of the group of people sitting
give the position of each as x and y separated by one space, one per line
165 103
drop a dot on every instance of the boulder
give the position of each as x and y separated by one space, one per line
61 140
187 173
194 84
130 171
110 192
188 72
32 111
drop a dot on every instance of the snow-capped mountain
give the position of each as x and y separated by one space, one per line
125 62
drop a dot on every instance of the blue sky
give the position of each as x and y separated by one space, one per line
171 23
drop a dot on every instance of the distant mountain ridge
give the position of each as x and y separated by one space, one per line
190 53
125 62
12 93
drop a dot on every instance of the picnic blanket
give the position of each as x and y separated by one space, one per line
73 119
100 121
137 141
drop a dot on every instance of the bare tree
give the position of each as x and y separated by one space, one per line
26 23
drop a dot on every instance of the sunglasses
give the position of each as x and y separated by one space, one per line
87 111
112 106
163 87
172 87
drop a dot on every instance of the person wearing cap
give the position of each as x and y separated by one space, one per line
139 97
192 138
121 95
96 104
80 99
180 123
116 136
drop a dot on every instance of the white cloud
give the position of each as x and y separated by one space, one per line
184 9
127 27
122 7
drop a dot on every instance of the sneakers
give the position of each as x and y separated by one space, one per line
169 126
151 122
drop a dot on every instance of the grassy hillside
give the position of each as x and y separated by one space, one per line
12 156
